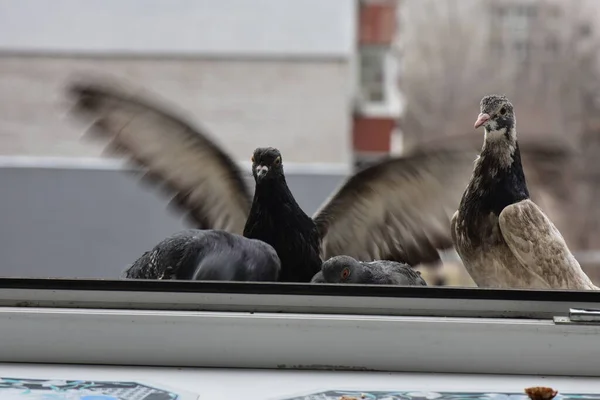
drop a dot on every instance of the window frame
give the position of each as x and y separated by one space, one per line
174 295
514 24
297 326
391 104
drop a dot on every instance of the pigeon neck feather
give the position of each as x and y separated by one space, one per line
498 181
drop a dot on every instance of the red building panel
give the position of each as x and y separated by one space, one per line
372 134
377 22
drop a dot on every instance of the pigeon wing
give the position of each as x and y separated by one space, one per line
398 209
199 176
540 248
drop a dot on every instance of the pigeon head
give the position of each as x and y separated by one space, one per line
497 117
266 164
342 269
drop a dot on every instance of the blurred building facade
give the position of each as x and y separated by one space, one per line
254 73
537 52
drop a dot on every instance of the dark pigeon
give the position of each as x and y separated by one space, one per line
276 218
344 269
195 254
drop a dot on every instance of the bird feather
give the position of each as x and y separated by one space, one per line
201 178
540 248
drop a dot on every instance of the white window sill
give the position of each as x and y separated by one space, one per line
389 109
293 326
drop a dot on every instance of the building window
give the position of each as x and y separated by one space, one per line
373 73
554 11
513 22
552 45
521 49
585 30
378 92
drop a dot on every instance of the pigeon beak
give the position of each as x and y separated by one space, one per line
261 172
481 119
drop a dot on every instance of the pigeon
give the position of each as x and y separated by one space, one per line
276 218
344 269
502 237
318 278
207 255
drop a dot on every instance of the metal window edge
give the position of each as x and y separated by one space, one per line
441 303
296 341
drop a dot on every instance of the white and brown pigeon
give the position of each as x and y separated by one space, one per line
503 238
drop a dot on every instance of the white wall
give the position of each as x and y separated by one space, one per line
300 107
220 27
221 61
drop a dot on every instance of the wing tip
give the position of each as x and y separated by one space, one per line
86 96
88 90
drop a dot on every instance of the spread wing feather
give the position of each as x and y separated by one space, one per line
398 209
176 156
540 248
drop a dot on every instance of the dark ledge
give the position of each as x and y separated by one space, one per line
298 289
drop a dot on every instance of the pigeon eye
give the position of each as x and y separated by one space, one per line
345 273
252 159
278 161
502 111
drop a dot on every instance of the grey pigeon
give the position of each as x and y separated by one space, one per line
345 269
195 254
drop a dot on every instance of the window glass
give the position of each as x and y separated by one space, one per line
201 87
